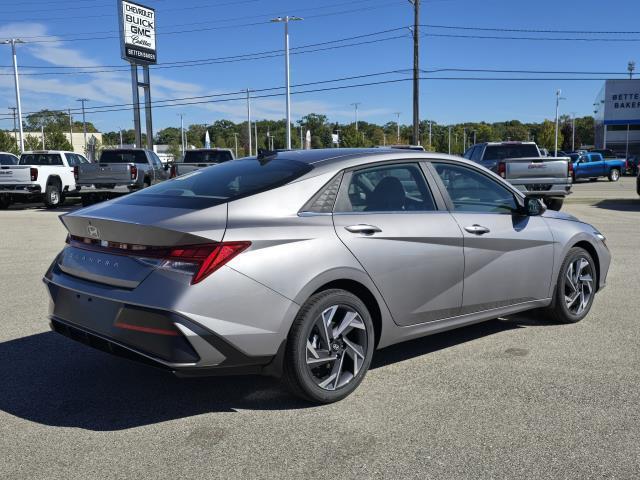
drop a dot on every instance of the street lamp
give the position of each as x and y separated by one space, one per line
397 114
355 105
13 42
558 98
286 21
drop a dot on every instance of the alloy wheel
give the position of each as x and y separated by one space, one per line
336 347
578 287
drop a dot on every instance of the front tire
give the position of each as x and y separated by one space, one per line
614 175
329 348
52 197
575 288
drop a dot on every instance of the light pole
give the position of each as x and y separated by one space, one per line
235 138
573 131
449 139
249 122
182 133
84 122
558 98
397 114
286 21
355 105
13 42
120 131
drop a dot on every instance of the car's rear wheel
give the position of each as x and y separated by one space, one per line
575 288
614 175
554 203
330 346
52 196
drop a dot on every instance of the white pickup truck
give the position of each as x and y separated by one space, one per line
44 175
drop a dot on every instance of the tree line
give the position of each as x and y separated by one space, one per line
224 134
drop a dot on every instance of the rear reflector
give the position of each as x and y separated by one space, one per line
199 261
140 328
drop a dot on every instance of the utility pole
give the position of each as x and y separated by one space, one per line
255 137
120 130
449 139
286 21
573 132
464 139
249 122
558 98
42 133
355 105
84 123
16 80
235 138
429 134
416 72
397 114
70 129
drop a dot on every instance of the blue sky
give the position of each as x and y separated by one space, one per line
65 25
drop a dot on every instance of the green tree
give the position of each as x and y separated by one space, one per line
32 142
55 140
547 136
8 143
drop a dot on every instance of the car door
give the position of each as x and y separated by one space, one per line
387 216
508 255
597 164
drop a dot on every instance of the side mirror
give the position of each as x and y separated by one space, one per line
533 206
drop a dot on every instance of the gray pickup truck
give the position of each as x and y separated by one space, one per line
118 172
522 165
200 158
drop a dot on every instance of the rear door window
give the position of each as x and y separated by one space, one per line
6 159
123 156
42 159
477 154
207 156
501 152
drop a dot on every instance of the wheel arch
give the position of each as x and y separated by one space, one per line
594 254
53 180
364 294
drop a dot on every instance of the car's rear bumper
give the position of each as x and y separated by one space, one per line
164 323
88 189
21 189
542 188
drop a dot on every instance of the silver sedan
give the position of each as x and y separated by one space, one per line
301 264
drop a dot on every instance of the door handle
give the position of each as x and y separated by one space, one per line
477 229
361 228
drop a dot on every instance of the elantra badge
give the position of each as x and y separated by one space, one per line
93 231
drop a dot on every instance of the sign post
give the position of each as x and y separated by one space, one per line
138 47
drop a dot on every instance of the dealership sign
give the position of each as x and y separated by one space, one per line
622 102
138 33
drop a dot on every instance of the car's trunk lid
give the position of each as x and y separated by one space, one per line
15 175
531 168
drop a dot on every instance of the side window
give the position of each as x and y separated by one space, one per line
71 159
471 191
156 160
389 188
477 154
469 153
80 159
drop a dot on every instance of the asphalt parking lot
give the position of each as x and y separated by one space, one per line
510 398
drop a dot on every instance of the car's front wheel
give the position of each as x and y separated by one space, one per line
614 175
554 203
575 288
330 346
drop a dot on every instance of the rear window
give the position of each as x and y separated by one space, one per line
123 156
220 183
500 152
7 159
203 156
40 159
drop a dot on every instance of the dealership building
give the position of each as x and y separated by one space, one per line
617 116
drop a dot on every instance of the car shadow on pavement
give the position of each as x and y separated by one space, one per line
620 204
50 380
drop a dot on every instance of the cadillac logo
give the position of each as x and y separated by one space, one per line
93 231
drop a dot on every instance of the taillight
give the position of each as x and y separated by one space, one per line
570 169
134 171
34 174
199 261
173 173
76 172
502 169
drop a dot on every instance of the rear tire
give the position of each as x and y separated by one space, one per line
554 203
575 288
614 175
5 202
52 197
324 365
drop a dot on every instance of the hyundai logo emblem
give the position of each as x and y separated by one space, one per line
93 231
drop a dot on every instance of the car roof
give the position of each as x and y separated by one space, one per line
30 152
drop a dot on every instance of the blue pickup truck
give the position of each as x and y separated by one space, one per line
594 166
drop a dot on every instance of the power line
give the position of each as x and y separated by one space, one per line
547 39
532 30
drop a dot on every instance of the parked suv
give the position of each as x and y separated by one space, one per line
522 165
42 175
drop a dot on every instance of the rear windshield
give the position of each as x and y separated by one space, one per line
123 156
500 152
40 159
7 159
203 156
219 183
